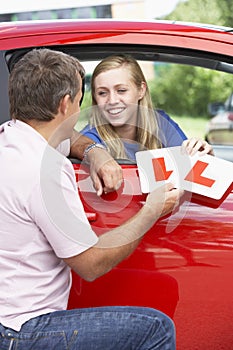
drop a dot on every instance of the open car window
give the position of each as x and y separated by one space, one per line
184 97
182 82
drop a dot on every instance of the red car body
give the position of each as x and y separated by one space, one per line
184 265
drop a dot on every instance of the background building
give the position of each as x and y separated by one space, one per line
14 10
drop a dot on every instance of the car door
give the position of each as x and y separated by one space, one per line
184 264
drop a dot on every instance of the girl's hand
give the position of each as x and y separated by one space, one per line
193 145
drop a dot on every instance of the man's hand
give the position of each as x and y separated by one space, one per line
105 172
163 200
117 244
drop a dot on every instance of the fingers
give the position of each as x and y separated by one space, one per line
175 196
172 200
105 172
111 175
97 184
193 145
168 186
108 179
164 200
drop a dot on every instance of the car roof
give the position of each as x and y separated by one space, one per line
110 30
146 40
197 44
114 24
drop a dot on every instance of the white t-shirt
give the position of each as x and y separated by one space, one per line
41 221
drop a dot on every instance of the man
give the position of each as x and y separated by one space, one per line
44 230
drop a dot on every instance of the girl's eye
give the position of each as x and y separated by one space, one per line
101 93
121 91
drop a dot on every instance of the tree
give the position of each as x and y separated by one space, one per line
200 86
218 12
226 11
186 90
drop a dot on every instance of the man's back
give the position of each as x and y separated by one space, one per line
28 264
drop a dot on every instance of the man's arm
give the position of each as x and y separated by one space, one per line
105 172
119 243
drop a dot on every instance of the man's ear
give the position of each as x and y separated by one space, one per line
64 104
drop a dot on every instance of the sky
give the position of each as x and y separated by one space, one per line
160 7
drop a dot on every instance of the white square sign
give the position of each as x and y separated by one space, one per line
206 175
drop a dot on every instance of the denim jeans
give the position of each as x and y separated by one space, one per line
102 328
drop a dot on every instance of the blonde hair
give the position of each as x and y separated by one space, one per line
147 127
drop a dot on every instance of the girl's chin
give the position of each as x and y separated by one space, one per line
116 124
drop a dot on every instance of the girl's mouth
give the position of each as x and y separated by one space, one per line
115 111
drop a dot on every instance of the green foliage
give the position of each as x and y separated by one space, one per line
85 111
218 12
86 103
226 11
199 86
186 90
202 11
192 127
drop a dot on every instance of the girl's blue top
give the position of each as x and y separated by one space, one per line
170 134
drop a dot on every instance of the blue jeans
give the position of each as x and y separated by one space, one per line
103 328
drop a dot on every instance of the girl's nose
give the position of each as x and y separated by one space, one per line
113 97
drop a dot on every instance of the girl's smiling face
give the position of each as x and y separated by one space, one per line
117 96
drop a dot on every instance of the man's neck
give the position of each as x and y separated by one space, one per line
47 129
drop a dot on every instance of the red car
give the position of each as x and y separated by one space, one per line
184 266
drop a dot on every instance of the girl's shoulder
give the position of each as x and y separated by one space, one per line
163 116
92 133
170 133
